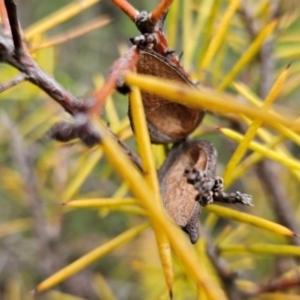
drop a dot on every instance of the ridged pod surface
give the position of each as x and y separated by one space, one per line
168 122
178 195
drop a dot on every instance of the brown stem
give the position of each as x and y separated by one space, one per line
13 52
161 9
4 18
11 9
279 284
15 81
248 18
33 73
48 261
226 275
267 172
131 154
127 8
122 65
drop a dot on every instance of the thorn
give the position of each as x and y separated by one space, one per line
180 56
169 52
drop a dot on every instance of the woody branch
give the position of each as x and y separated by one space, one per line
13 51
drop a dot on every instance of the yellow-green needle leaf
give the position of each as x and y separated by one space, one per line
269 153
260 249
248 219
251 132
204 99
58 17
91 257
141 190
82 173
248 55
102 288
101 202
150 174
72 34
220 35
143 141
14 226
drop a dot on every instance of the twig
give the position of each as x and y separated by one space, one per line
160 11
279 284
15 81
267 172
35 75
247 16
74 33
11 9
224 273
45 242
267 169
15 54
24 63
4 19
132 155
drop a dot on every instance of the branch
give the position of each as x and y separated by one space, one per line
132 155
46 244
224 272
11 9
4 18
248 18
18 79
160 10
267 172
127 8
279 284
13 52
25 64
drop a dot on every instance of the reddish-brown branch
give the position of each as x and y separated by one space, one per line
278 285
127 8
122 65
161 9
4 18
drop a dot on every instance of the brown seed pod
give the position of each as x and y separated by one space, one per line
168 122
177 194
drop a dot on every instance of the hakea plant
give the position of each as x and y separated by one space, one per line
204 265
